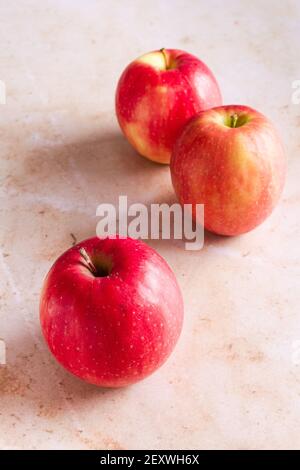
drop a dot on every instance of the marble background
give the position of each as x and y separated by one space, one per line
233 382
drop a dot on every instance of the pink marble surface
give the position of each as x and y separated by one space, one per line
234 380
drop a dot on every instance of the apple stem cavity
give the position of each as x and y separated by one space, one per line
162 50
234 118
88 260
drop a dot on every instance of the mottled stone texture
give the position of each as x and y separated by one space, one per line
233 381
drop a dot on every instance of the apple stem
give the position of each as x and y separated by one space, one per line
162 50
234 118
88 260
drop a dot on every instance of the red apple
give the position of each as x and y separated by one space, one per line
231 160
157 94
111 311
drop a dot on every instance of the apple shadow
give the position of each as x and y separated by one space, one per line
32 375
102 166
74 178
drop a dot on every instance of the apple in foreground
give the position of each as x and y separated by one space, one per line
230 159
157 94
111 311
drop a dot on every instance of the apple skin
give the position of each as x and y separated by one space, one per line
115 330
157 94
236 172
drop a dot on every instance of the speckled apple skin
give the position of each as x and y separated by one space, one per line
237 173
116 330
154 103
